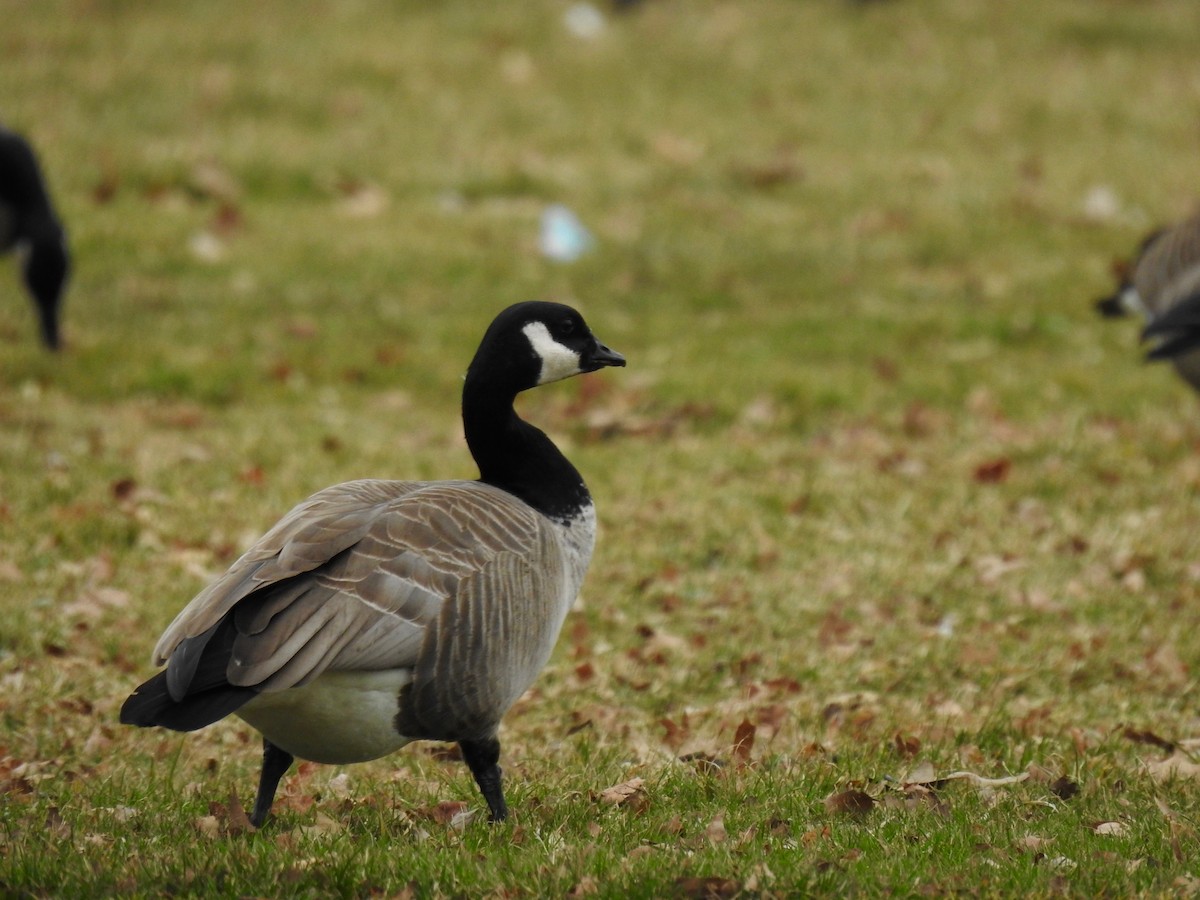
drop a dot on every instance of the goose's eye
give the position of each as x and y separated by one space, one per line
566 328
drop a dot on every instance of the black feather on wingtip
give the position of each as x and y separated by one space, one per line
1178 329
151 705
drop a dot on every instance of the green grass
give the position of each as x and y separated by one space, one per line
876 481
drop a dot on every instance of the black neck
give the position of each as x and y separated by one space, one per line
516 457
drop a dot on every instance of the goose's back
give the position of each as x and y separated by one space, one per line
1169 266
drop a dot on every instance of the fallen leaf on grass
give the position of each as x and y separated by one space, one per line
55 825
715 832
915 797
922 773
339 785
1064 788
993 471
625 792
1034 843
906 745
705 763
1116 829
324 825
712 886
677 733
225 819
743 742
850 802
1148 737
453 813
208 826
361 201
1177 765
587 885
92 603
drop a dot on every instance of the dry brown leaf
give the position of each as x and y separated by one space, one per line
230 819
620 794
93 602
917 797
993 471
587 885
55 824
922 773
208 826
1034 843
1148 737
1116 829
237 821
339 785
906 745
712 887
1064 788
705 763
743 741
1177 765
676 732
362 201
324 825
849 802
454 813
715 832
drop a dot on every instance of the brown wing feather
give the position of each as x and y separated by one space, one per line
308 536
353 578
1171 258
483 654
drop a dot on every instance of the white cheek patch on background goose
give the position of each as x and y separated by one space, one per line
558 361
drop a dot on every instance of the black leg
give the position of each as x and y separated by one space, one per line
483 757
275 763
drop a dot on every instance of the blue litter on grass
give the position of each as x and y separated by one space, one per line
563 237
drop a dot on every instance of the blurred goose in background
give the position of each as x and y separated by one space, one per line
377 613
29 226
1163 285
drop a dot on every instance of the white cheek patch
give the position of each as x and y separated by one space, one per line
1131 301
558 362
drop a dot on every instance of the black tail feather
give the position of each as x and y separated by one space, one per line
151 704
1178 329
192 691
1176 345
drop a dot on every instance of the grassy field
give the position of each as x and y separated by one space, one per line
898 585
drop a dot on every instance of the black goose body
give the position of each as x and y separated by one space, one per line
29 225
380 612
1163 286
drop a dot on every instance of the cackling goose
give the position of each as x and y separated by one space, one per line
377 613
1163 285
29 226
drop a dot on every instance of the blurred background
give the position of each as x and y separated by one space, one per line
873 440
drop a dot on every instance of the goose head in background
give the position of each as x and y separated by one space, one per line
30 227
1162 285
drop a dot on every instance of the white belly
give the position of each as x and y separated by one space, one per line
339 717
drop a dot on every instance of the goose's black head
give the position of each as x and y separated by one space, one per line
535 343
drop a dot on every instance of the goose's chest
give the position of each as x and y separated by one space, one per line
576 538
